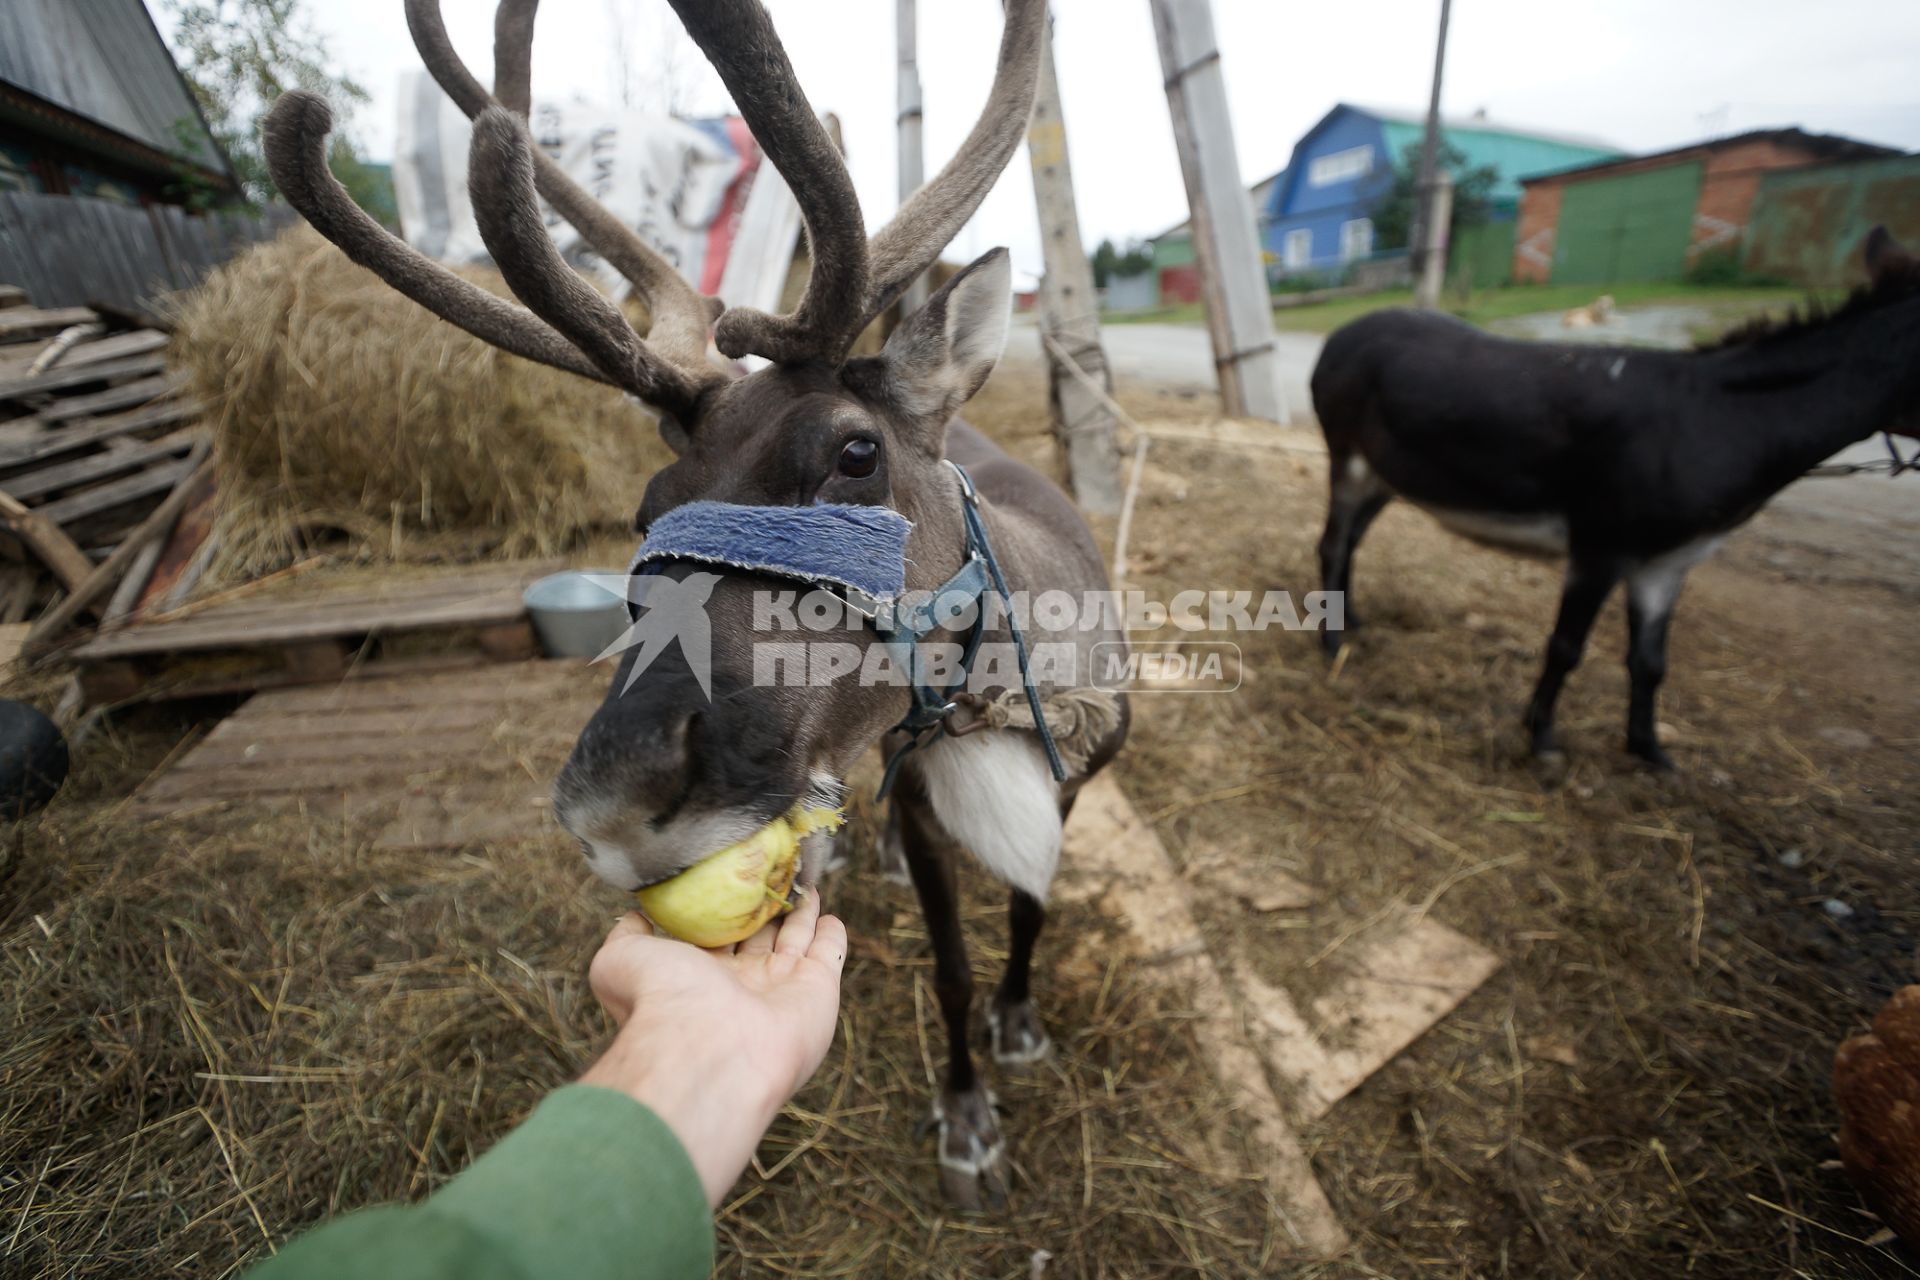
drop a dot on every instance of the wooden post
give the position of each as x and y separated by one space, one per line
1433 262
1424 190
1069 307
913 165
1226 244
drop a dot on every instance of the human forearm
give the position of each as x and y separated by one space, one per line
717 1104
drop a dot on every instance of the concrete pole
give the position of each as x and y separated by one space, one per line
1226 243
1424 191
1433 262
1069 306
913 167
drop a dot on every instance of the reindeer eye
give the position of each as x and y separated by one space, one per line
859 459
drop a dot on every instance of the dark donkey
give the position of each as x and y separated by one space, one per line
1633 464
665 775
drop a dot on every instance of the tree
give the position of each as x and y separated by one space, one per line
1109 262
1393 217
240 56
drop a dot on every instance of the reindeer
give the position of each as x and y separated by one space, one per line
664 775
1633 464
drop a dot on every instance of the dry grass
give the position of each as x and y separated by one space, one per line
339 407
209 1043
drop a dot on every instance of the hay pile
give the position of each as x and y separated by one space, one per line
341 408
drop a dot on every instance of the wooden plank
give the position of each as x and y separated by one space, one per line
125 396
428 690
68 475
116 493
101 580
44 538
114 346
477 603
292 728
22 355
351 589
295 778
440 759
21 322
1405 975
62 376
45 443
187 548
11 296
1116 860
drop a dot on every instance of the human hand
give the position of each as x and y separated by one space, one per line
715 1042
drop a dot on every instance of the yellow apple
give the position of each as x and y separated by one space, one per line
727 896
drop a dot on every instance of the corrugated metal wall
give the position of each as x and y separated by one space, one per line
1632 227
68 251
1808 224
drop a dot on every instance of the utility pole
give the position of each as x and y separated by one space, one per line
1226 244
1069 307
1424 188
1433 264
913 166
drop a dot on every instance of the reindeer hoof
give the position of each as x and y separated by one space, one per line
1019 1038
973 1156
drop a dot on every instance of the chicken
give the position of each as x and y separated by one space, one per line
1876 1081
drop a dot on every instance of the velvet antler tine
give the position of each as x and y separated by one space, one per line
504 205
513 55
934 215
296 145
738 38
681 316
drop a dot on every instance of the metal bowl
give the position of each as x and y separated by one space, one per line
574 615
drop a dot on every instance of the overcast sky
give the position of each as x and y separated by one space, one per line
1641 74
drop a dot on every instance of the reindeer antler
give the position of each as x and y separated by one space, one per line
296 142
570 326
853 279
681 316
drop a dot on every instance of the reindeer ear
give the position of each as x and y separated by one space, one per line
943 353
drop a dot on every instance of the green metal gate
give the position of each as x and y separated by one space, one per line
1632 227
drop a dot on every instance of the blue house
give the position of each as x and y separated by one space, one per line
1318 217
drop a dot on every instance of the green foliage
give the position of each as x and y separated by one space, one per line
1472 196
240 56
1109 261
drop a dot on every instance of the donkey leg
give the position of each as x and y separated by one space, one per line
1018 1035
1588 584
1649 609
1355 497
973 1163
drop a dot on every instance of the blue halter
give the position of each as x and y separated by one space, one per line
860 554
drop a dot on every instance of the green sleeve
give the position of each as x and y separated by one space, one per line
592 1185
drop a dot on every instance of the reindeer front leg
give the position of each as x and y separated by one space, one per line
973 1162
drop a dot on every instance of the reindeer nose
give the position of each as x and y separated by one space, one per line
633 765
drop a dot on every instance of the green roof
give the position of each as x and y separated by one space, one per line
1513 154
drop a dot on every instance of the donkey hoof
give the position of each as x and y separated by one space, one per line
973 1156
1019 1038
1653 755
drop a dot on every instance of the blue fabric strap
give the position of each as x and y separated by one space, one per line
860 548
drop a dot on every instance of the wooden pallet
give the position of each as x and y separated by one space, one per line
94 435
315 629
425 761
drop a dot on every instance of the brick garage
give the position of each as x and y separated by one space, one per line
1652 217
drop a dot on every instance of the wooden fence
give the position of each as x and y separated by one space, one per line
71 251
